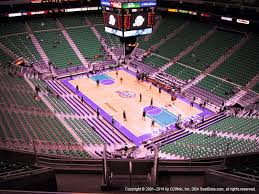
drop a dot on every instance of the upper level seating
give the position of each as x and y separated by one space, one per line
155 60
242 66
57 48
11 27
217 86
4 58
57 103
112 40
199 145
86 41
245 171
169 24
23 119
20 97
30 126
8 166
46 23
182 40
72 20
16 91
22 46
49 135
182 72
95 18
256 88
237 125
210 50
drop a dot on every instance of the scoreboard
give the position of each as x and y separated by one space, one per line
128 19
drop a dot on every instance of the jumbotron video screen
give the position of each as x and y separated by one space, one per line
128 19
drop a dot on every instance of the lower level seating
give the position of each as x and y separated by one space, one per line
58 49
168 25
84 131
242 66
183 40
43 23
182 72
59 105
155 61
72 20
210 50
22 46
217 86
86 41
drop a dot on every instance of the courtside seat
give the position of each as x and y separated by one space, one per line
57 48
210 50
217 86
182 72
242 66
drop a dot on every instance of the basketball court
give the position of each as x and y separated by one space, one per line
119 90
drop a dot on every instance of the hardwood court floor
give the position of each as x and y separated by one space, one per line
107 97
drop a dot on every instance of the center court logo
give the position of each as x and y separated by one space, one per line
126 94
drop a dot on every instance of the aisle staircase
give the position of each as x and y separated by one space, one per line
194 82
252 83
230 52
8 52
61 119
217 63
101 39
37 44
190 48
236 98
73 45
